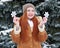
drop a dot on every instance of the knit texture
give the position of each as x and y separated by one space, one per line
27 5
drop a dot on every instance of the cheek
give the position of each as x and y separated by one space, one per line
28 13
33 13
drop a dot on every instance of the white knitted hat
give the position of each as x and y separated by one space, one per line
28 5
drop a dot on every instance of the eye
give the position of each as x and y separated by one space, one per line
28 10
32 10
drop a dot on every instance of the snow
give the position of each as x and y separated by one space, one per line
6 31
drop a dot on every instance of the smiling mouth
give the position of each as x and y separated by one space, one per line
30 15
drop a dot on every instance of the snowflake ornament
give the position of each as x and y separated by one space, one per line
46 14
13 13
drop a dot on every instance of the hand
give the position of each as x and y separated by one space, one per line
44 20
16 20
41 24
17 27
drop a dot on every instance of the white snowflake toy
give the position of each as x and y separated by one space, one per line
13 13
46 14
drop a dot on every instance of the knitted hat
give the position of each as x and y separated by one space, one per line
28 5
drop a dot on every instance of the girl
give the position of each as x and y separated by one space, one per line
29 30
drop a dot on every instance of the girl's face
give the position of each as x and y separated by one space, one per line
30 12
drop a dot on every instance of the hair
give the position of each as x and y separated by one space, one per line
25 29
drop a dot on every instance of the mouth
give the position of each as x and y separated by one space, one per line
30 15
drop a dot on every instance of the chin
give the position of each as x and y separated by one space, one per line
30 17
